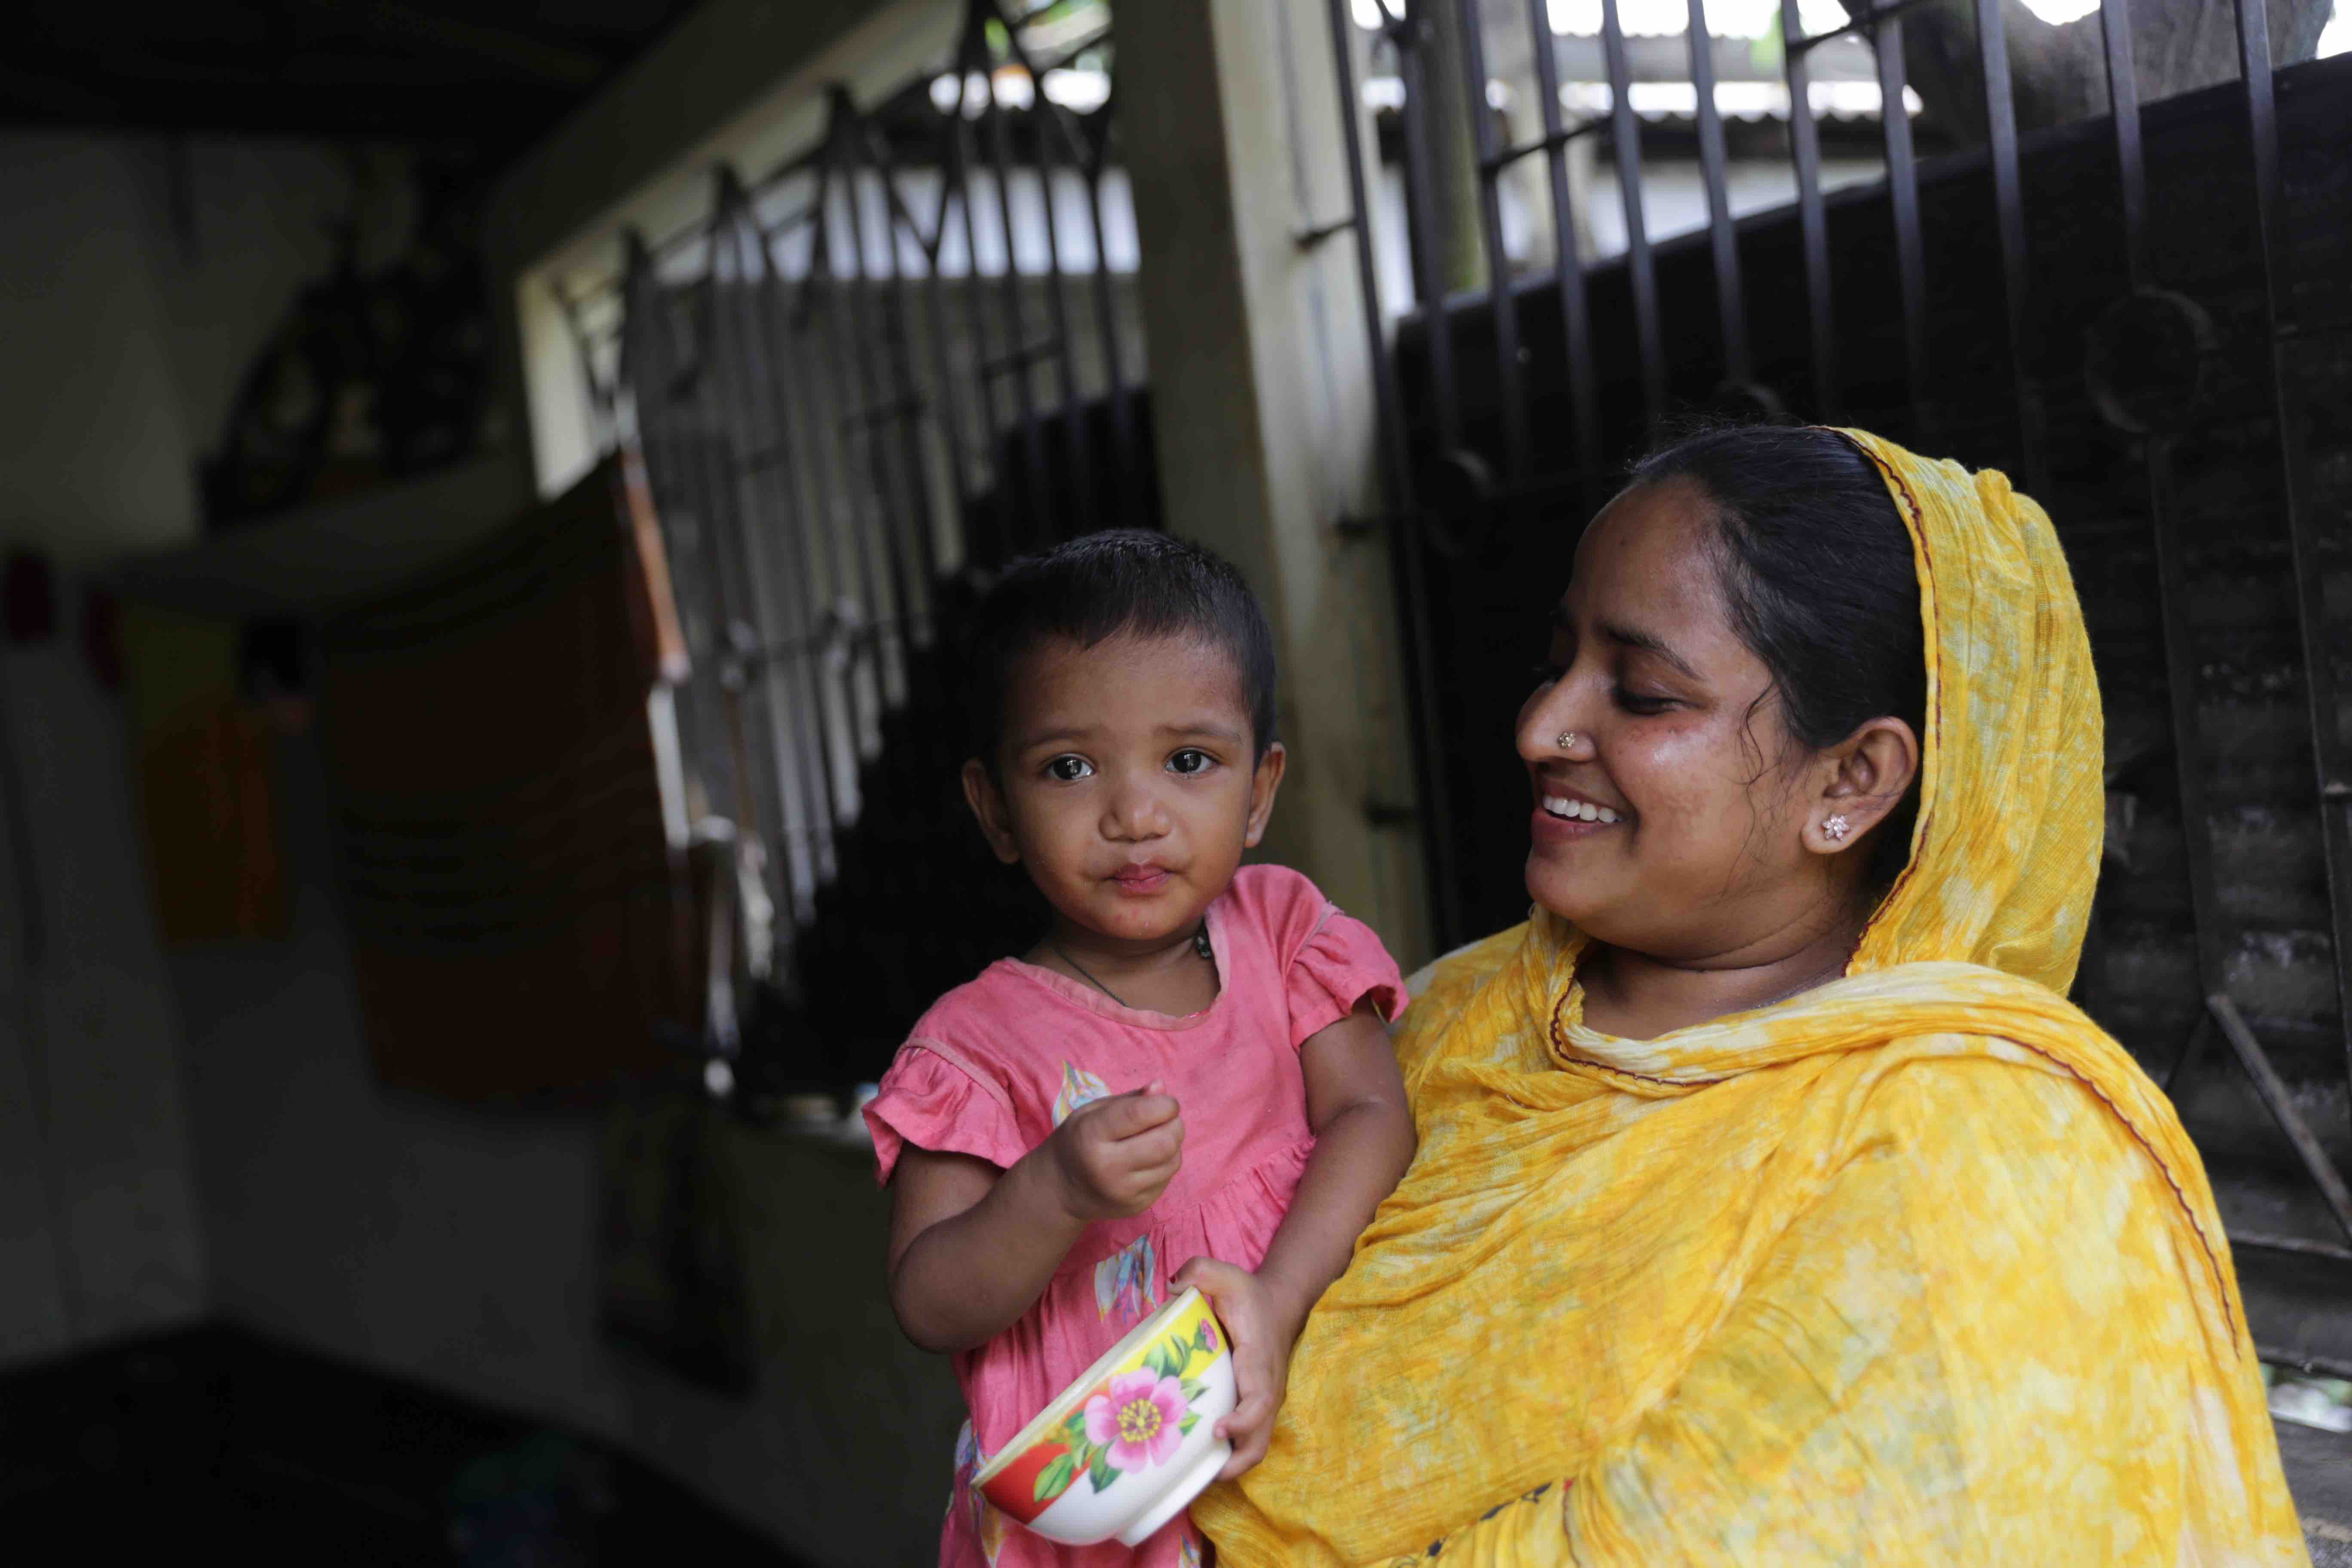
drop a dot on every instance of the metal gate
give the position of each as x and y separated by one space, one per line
1586 348
865 380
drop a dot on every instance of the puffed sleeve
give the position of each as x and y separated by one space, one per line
1340 964
936 1100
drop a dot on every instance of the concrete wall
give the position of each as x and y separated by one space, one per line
125 332
201 1134
460 1246
140 279
99 1234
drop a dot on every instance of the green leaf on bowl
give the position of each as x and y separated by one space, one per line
1100 1473
1187 1425
1055 1478
1193 1388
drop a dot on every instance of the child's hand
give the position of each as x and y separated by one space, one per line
1262 1327
1115 1157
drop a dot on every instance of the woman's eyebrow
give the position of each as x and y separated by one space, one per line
1632 636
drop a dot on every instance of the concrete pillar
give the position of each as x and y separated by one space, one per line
1262 405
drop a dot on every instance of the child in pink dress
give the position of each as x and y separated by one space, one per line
1187 1081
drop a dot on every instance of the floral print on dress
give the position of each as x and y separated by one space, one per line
1080 1088
1190 1550
1124 1283
988 1526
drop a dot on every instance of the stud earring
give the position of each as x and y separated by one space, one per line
1836 829
1565 739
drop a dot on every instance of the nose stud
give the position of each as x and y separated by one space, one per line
1565 739
1835 828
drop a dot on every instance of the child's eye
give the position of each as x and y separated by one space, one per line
1190 760
1069 770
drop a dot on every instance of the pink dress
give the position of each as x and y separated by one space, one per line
997 1064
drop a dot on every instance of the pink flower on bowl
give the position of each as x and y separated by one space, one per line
1208 1335
1139 1416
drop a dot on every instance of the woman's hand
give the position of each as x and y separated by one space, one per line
1263 1322
1113 1159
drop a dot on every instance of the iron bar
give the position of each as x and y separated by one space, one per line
691 468
1504 157
734 581
1396 484
1903 193
1420 196
2331 774
826 750
2192 1045
737 241
600 397
2302 1362
956 188
1575 313
2276 1099
1722 239
1625 136
827 297
1122 410
1502 307
1042 503
901 406
2123 114
1812 218
856 339
935 316
2295 1244
2188 731
1044 114
814 748
839 567
2009 215
1313 238
1020 360
1869 21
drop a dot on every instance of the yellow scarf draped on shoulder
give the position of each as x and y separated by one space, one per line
1915 1268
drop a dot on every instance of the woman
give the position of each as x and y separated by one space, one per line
1772 1204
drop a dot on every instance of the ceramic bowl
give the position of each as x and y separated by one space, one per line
1125 1448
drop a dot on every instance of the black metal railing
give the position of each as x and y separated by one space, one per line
861 382
1477 500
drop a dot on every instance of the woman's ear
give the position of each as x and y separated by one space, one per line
1866 777
1263 784
987 803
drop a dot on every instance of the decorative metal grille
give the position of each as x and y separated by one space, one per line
1596 351
865 380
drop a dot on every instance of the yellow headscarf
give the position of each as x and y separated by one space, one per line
1917 1267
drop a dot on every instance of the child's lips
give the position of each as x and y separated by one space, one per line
1140 879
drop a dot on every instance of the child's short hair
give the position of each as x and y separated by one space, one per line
1122 581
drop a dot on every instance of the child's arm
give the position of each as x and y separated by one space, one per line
972 1248
1363 1141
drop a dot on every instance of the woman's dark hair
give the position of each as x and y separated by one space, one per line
1819 573
1123 581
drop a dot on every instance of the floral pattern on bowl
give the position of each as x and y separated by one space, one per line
1122 1454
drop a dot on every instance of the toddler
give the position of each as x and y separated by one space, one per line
1189 1068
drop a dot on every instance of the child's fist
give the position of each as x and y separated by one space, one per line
1262 1325
1115 1157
